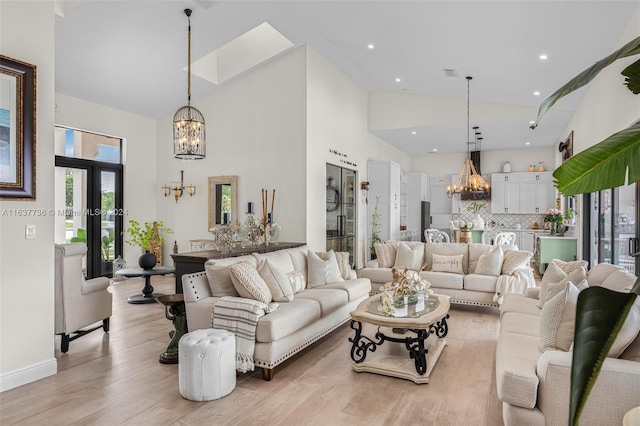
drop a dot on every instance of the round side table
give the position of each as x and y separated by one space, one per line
147 296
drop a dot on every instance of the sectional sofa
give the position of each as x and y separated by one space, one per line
533 384
466 284
294 325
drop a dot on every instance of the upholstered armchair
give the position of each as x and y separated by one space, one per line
80 303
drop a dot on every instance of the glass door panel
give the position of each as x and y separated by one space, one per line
341 210
70 207
107 221
624 228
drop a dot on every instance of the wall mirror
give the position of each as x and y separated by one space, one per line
223 200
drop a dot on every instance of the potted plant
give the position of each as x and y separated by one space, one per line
569 215
147 236
475 208
600 312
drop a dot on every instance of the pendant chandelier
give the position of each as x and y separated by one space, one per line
188 123
469 181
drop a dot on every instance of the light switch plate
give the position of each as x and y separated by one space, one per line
30 232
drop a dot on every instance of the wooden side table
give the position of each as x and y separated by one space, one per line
174 311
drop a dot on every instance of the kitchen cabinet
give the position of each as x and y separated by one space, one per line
527 240
538 193
505 193
385 187
440 202
548 248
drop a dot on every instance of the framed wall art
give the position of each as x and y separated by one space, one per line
17 129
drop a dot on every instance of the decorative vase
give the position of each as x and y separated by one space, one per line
572 221
465 237
532 168
147 260
553 228
479 222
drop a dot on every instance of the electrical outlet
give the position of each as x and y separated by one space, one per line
30 232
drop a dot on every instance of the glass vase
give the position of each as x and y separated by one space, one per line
553 228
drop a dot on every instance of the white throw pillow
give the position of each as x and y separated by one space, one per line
277 281
554 276
514 259
408 257
558 318
323 272
249 283
342 257
447 263
297 282
628 333
490 263
386 253
569 267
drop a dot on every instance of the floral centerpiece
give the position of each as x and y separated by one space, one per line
462 225
405 283
148 237
554 217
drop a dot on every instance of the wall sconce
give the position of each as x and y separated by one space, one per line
178 188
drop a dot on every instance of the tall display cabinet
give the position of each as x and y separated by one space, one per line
341 207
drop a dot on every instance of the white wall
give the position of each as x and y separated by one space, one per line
337 111
139 152
26 266
256 129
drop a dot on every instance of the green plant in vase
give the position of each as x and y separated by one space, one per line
148 237
600 312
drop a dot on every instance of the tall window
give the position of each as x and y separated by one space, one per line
88 196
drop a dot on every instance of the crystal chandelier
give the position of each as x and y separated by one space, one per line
469 181
188 123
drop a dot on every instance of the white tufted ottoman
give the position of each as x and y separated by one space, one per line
207 367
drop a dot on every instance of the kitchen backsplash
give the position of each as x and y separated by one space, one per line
502 220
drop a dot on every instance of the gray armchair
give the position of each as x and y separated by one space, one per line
80 303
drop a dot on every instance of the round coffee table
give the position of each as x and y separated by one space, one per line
147 296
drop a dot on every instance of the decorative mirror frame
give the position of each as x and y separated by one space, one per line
223 180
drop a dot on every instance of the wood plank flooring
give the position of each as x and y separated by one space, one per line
115 379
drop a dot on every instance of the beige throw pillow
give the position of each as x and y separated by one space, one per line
554 276
249 283
514 259
386 253
447 263
323 272
408 257
342 257
490 263
558 318
219 279
569 267
277 281
628 333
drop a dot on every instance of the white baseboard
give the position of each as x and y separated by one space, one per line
30 373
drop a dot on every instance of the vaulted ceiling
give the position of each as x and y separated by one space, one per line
131 55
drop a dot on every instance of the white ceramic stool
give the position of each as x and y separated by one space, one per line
207 367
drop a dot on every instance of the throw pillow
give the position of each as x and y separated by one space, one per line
386 253
558 317
628 333
514 259
342 257
490 263
323 272
219 279
297 282
408 257
447 263
277 281
554 276
249 283
569 267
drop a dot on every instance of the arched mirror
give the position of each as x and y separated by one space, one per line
223 200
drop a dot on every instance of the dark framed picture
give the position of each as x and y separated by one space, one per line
17 129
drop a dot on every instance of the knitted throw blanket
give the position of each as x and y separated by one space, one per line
240 316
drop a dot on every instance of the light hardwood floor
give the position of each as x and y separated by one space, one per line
115 379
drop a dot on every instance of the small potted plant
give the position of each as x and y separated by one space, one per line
475 208
146 236
570 216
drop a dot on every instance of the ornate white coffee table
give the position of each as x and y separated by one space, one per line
408 354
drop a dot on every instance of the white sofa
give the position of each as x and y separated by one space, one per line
467 287
534 385
313 312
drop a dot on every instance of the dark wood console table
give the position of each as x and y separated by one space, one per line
188 263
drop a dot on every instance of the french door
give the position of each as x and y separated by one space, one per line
89 209
612 231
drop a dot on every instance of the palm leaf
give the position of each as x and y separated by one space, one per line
600 315
582 79
632 77
603 165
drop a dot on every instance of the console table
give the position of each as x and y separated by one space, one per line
188 263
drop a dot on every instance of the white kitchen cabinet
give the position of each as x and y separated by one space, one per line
527 240
505 193
538 193
440 202
385 186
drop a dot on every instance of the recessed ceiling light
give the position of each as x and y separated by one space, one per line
543 57
370 46
531 122
527 143
398 79
435 149
414 132
536 93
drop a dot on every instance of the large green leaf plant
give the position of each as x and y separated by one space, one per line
600 312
